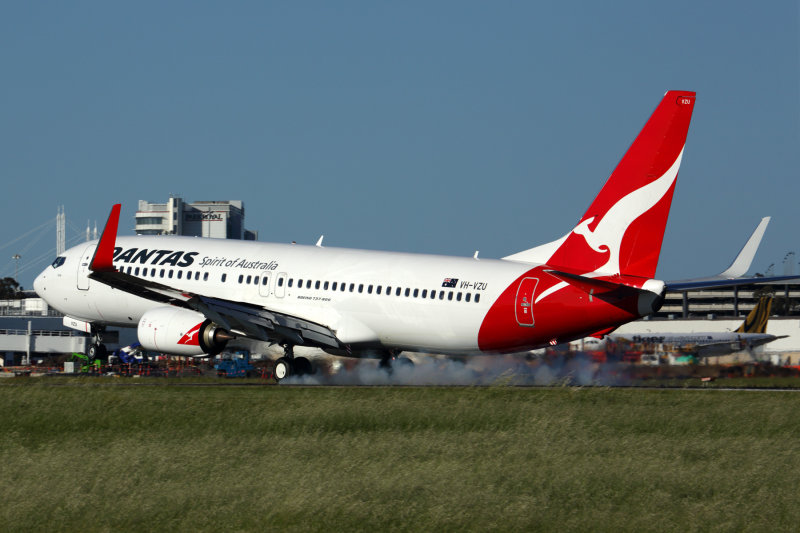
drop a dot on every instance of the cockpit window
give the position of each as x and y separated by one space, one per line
58 261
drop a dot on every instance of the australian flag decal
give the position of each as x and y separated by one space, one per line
450 283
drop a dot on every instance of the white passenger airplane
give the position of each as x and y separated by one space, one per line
190 296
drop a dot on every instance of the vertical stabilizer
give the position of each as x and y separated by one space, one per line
756 321
622 231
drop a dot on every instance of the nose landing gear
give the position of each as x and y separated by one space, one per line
97 350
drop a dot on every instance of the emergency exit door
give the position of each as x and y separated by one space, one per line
524 303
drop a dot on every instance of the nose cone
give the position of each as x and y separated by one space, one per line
39 285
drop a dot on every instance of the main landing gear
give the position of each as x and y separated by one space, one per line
391 358
289 365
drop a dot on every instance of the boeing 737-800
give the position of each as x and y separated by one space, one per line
190 296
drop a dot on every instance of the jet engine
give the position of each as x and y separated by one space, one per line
180 331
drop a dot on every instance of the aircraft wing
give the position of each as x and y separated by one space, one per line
243 319
733 274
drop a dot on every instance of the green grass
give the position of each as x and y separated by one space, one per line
96 456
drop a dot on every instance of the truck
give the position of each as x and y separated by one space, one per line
235 365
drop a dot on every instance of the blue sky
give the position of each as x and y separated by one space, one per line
434 127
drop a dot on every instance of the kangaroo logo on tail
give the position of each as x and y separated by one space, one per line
622 231
609 232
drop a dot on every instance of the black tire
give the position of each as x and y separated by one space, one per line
283 369
97 351
302 366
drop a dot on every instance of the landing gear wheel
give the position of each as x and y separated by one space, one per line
303 366
405 362
283 369
97 351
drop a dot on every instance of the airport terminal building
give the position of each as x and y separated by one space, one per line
219 219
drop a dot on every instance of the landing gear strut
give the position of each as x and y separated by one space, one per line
388 359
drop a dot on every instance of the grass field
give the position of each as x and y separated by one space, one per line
103 455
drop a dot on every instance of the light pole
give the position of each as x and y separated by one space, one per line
16 258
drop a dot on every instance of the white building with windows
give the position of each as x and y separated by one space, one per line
216 219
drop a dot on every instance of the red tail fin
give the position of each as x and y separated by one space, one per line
622 231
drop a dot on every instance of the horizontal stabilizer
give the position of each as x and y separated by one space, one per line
587 285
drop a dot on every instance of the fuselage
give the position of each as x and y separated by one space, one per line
370 299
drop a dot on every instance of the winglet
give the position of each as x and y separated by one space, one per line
103 260
733 275
742 263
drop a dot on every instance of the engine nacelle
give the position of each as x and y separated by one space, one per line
178 331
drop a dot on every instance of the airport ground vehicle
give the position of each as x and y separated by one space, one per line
235 365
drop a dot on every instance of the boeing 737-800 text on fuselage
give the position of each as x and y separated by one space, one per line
189 296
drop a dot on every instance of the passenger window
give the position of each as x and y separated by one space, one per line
180 274
205 276
389 290
169 274
333 288
360 288
188 274
450 295
308 284
441 295
316 285
378 290
197 276
249 279
466 297
241 278
369 289
397 291
137 271
224 277
280 282
162 272
352 287
424 293
416 293
325 286
408 291
433 295
291 280
477 298
458 296
265 281
299 284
